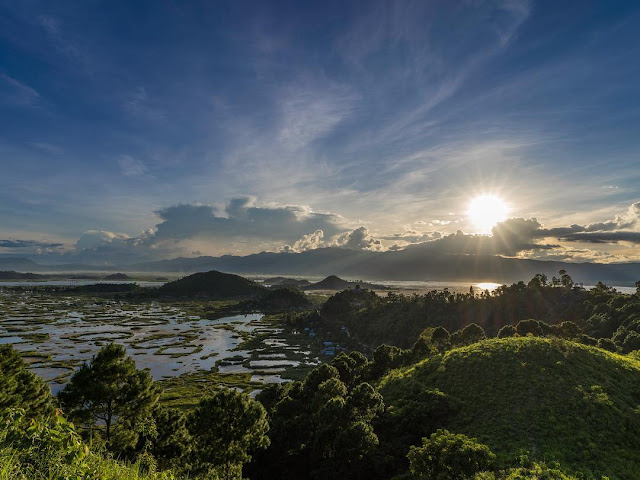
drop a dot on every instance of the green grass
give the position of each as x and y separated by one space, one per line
557 400
94 467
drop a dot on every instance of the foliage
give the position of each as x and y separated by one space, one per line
169 439
560 400
321 428
50 448
224 429
279 299
110 391
400 320
449 456
19 387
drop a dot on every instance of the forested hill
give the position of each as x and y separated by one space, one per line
555 399
211 284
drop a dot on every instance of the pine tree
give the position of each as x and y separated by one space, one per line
111 395
224 428
21 388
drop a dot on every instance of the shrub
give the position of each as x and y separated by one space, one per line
449 456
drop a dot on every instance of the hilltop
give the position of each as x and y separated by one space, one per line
11 275
117 276
555 399
212 284
333 282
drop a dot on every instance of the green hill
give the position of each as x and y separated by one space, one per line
555 399
211 284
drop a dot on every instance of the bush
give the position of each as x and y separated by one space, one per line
449 456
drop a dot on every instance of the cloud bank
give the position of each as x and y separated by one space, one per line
243 226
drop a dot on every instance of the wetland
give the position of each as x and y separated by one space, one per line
184 344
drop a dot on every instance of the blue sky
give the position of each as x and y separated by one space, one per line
154 129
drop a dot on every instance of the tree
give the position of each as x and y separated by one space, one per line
19 387
440 338
472 333
385 357
567 330
170 438
530 326
224 429
449 456
507 331
565 279
111 391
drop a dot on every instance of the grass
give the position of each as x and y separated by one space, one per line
94 466
187 390
555 399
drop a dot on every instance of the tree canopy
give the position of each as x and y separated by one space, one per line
109 395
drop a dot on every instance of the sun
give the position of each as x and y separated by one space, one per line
485 211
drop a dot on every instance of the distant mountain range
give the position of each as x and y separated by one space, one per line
413 263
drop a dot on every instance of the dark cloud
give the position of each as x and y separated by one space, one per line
517 235
241 218
603 237
24 244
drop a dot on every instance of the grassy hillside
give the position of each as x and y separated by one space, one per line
555 399
212 284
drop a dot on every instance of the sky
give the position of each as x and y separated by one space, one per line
134 131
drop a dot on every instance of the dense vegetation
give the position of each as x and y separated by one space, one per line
211 284
399 319
554 395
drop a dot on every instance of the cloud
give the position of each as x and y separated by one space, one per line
16 93
28 244
359 239
48 147
97 238
412 236
242 218
131 167
61 40
622 228
241 227
526 237
139 105
307 242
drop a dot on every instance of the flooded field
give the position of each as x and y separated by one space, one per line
56 333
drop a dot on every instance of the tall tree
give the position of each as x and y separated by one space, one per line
224 429
110 394
19 387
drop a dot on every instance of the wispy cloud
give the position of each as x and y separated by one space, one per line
140 105
62 40
131 167
14 92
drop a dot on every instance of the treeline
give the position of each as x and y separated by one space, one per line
369 320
